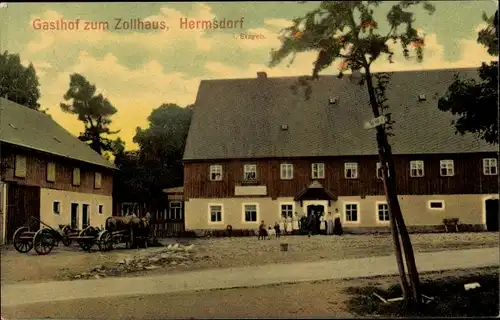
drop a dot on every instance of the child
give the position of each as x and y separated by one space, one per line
277 229
262 231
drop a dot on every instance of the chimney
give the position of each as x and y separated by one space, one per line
261 75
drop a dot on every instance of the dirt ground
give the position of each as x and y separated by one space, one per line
303 300
63 262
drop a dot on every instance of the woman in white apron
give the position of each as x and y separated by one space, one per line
282 224
322 225
329 224
288 225
295 222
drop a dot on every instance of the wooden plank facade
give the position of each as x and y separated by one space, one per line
468 177
36 172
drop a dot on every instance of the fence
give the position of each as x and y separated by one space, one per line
167 228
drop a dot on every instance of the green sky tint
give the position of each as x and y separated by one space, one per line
183 57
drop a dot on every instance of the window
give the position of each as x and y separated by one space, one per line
250 211
379 170
215 213
97 180
76 176
56 207
436 204
446 168
416 168
490 167
351 170
100 209
250 172
175 210
20 166
318 170
382 212
286 171
216 173
351 212
287 210
51 171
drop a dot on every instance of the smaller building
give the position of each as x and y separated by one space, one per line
49 174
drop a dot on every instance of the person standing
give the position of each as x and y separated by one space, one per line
329 224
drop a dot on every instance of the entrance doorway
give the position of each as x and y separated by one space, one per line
74 216
85 216
315 209
492 214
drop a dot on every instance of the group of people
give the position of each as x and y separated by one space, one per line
317 223
314 223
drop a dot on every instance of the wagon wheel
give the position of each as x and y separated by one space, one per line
44 241
86 244
22 245
105 241
64 236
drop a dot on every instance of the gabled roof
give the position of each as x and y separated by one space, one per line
242 118
35 130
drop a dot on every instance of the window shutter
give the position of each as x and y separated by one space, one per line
76 176
97 180
20 166
51 171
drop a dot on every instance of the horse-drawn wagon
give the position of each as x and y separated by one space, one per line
128 229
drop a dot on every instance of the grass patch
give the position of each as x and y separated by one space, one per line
450 298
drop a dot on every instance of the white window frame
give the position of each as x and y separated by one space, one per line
243 216
286 171
353 166
437 209
449 166
210 206
60 207
99 211
51 171
281 209
97 180
249 169
378 170
214 170
417 165
357 213
319 173
377 212
489 163
173 213
20 166
75 181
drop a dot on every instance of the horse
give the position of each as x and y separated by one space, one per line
139 228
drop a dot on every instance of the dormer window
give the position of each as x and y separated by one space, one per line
422 97
284 127
333 100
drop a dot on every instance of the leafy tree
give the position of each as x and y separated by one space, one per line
476 102
162 144
346 31
18 83
94 110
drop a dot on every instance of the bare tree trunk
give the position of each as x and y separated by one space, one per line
403 231
385 154
405 288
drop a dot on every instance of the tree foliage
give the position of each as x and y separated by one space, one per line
158 162
17 82
475 102
94 110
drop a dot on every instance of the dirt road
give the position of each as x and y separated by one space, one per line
316 299
64 263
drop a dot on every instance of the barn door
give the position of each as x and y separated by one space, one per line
22 202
